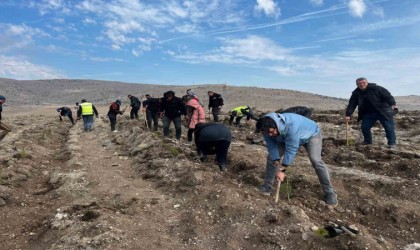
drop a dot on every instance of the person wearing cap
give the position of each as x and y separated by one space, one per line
284 134
86 111
152 111
213 138
374 103
114 110
215 104
3 127
172 108
135 107
65 111
239 113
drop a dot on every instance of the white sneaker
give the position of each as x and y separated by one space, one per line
115 131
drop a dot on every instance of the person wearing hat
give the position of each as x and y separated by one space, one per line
284 134
114 110
239 113
3 127
65 111
86 111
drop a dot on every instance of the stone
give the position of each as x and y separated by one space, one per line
5 192
2 202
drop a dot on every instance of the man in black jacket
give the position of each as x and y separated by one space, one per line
213 138
151 105
65 111
375 103
215 103
3 127
172 108
135 106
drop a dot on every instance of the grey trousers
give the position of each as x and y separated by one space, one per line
313 148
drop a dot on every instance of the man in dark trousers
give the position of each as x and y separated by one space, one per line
3 127
151 105
65 111
135 106
375 103
86 111
215 103
171 109
213 138
114 110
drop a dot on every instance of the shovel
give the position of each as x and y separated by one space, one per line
347 133
277 191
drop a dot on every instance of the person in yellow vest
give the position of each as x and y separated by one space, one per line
239 113
86 111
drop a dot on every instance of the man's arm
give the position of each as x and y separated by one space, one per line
387 97
79 112
272 148
94 110
291 146
353 102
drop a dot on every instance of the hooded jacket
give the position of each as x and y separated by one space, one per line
114 109
209 132
294 130
379 97
215 101
197 114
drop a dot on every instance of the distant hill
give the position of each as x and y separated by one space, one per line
68 91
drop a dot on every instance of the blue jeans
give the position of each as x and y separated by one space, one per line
167 122
87 122
313 148
370 119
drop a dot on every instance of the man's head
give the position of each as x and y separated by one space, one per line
118 101
148 97
77 103
362 83
210 93
129 96
169 95
83 100
267 126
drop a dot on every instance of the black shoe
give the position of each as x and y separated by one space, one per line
222 168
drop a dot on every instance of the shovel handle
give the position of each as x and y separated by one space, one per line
277 191
347 133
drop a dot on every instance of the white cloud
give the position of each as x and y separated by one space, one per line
269 7
89 21
357 8
46 6
317 2
22 69
18 36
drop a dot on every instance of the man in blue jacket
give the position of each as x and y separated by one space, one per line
284 134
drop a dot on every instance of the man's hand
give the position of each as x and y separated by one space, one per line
394 107
280 176
347 118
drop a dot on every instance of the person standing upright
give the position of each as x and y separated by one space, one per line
86 111
374 103
215 104
172 108
3 127
195 115
152 112
135 106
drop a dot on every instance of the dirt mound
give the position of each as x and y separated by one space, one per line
63 188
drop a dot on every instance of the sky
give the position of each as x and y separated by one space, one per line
316 46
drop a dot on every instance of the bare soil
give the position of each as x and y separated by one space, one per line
62 188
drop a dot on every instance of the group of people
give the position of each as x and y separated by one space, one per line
284 131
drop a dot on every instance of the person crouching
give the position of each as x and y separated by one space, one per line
114 110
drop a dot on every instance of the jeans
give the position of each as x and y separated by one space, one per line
237 121
220 148
134 113
152 116
167 123
370 119
215 111
313 148
87 122
113 120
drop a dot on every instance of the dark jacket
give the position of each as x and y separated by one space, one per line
215 100
1 106
379 97
173 108
153 105
209 132
135 102
64 111
114 110
300 110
